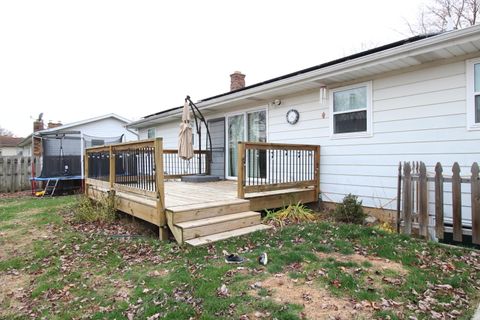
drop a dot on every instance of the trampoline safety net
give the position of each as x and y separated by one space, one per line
62 153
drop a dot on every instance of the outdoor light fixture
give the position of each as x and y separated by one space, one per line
323 95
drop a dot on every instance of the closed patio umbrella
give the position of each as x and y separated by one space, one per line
185 147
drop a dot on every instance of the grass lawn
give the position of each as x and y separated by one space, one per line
52 269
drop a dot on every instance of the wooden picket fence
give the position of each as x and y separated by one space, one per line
413 202
15 173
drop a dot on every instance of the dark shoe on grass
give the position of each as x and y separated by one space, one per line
233 258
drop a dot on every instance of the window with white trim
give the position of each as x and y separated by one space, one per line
151 133
473 93
351 110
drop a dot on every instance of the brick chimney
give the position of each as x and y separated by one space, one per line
37 142
38 125
237 81
51 124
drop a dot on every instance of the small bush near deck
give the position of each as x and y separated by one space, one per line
293 213
88 210
350 210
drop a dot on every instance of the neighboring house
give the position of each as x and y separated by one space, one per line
8 146
62 142
416 99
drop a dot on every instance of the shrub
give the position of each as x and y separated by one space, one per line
88 210
350 210
293 213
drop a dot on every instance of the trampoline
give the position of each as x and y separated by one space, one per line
62 159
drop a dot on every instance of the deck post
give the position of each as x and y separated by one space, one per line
111 177
111 167
317 172
159 181
241 170
85 172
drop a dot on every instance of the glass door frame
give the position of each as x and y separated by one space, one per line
245 133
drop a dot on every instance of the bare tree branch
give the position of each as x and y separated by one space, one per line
5 132
438 15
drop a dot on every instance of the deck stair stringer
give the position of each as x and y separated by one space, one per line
198 224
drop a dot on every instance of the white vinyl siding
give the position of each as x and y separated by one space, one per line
416 116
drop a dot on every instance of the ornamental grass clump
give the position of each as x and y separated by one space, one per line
350 210
294 213
88 210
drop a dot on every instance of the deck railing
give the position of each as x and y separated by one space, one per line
126 169
276 166
175 167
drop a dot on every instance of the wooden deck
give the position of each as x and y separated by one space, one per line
141 178
179 194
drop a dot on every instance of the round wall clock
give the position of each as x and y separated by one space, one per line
292 116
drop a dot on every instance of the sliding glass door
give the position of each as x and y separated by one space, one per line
248 126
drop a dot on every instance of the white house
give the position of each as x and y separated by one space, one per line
8 146
416 99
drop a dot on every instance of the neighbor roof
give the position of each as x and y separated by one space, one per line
400 54
6 141
78 123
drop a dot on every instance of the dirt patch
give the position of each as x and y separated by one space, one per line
318 303
13 290
378 264
159 273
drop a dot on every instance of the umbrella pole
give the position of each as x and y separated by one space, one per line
200 117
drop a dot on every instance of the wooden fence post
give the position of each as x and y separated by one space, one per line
160 183
3 178
475 189
423 201
457 203
416 190
399 195
438 201
407 198
241 163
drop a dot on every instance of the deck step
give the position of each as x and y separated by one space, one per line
226 235
208 209
203 227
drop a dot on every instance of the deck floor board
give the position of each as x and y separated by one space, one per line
179 194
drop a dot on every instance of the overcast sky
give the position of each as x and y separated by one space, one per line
74 60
